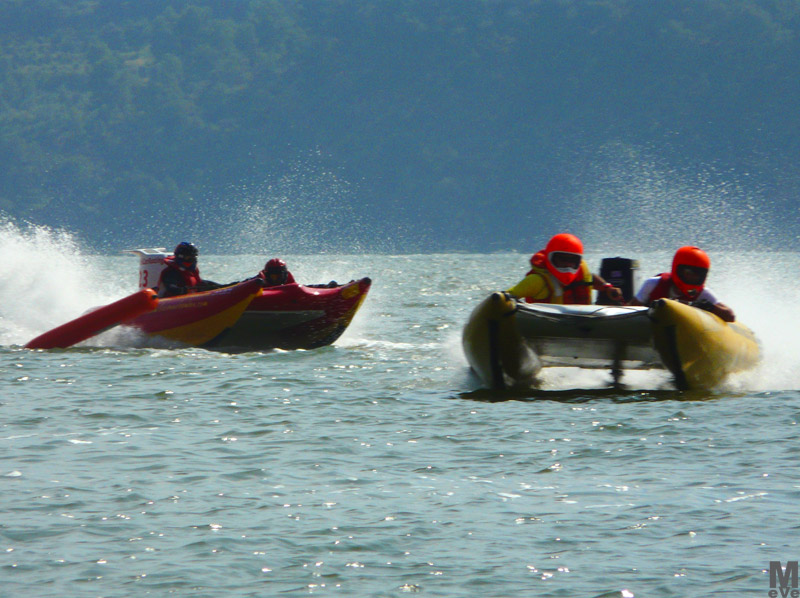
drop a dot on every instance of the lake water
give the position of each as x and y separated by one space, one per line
376 466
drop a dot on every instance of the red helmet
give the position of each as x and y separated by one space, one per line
275 263
563 256
689 270
275 271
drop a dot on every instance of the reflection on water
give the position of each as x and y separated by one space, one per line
615 395
376 466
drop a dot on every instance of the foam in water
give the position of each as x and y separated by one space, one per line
45 280
634 205
759 286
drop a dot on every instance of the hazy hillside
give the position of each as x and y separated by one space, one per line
404 125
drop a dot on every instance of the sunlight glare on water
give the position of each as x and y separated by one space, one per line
48 279
377 466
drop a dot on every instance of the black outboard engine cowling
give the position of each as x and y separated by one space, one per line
622 272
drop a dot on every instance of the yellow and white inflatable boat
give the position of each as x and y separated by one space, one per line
507 342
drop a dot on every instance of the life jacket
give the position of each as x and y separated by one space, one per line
578 292
191 276
662 289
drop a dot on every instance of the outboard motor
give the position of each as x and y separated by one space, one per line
622 272
151 263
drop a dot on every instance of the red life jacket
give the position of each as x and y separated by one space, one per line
578 292
662 289
191 276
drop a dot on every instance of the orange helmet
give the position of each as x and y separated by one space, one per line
689 270
563 256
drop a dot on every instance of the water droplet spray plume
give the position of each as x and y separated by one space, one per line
630 204
46 278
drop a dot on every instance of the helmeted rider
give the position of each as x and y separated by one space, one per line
181 274
560 275
275 273
684 283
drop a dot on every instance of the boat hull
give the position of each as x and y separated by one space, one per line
506 343
197 318
589 336
698 347
494 346
96 321
294 316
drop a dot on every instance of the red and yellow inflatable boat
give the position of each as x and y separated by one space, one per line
291 316
238 317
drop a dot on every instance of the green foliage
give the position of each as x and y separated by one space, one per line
148 102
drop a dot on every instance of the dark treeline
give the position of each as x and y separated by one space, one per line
460 120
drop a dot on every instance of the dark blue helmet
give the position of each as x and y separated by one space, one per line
186 252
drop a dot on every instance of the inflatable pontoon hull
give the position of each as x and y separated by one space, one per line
507 343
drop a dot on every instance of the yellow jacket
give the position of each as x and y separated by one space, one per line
539 286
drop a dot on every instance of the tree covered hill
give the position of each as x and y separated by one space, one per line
457 122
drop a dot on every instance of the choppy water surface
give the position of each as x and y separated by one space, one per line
376 467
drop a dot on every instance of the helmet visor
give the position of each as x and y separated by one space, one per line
565 262
277 274
186 254
692 275
187 261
